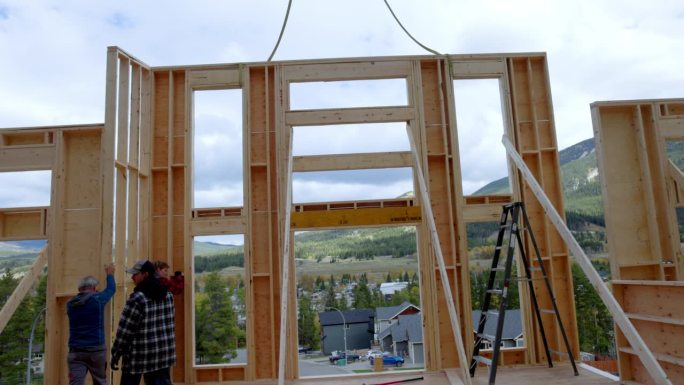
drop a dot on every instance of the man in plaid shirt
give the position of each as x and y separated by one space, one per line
145 338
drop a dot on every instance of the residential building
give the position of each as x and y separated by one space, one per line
404 338
385 316
511 335
358 325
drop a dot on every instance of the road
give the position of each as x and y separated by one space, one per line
320 366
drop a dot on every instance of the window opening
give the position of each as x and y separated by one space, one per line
219 298
358 287
348 94
217 149
480 128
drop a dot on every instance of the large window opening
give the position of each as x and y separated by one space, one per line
23 228
331 186
348 94
217 149
25 189
358 291
480 127
350 138
219 300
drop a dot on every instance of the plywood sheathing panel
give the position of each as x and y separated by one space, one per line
74 240
652 306
533 128
432 104
640 193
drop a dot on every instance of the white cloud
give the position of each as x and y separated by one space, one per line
54 52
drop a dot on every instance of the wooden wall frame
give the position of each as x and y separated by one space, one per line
126 187
642 190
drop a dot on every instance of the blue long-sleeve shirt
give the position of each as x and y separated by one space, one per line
86 316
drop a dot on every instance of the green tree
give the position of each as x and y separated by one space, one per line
330 300
595 325
308 326
362 297
409 294
217 332
14 338
378 298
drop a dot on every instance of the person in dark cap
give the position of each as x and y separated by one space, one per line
145 340
87 350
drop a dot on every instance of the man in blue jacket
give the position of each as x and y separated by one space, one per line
87 349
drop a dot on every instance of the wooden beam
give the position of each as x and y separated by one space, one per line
348 116
671 128
20 291
361 161
453 316
676 174
214 79
25 158
360 217
645 355
478 69
217 225
285 283
356 70
23 223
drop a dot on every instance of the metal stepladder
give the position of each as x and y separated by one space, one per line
509 225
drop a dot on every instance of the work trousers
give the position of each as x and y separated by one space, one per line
158 377
82 362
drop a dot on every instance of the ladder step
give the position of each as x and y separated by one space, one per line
492 313
498 269
487 337
525 279
495 291
483 360
558 353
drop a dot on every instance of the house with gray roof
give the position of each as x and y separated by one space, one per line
511 335
354 325
404 338
385 316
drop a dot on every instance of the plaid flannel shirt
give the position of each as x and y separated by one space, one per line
145 337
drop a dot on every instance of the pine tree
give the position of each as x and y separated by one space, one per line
308 326
14 338
330 300
594 323
362 297
217 332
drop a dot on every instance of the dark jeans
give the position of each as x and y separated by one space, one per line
158 377
80 363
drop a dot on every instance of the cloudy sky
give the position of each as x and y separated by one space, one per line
52 71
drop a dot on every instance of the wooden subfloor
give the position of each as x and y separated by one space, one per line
559 375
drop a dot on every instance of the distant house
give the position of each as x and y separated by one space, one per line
511 335
385 316
357 323
404 338
389 288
